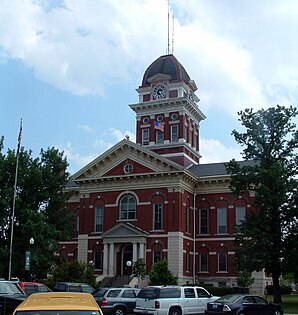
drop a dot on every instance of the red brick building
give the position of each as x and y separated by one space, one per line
153 199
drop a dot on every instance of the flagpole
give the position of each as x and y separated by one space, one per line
14 203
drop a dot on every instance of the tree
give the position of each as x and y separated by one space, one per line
72 271
40 210
244 279
270 142
161 275
139 268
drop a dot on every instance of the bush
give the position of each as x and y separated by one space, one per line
219 291
284 290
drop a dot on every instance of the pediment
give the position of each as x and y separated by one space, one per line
111 163
124 230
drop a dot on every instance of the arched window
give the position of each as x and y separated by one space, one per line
128 208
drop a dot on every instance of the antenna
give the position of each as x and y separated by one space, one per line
173 33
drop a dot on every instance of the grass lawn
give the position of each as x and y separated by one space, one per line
289 302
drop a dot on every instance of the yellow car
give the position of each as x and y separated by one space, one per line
59 303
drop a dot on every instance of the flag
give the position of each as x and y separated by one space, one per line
159 126
20 138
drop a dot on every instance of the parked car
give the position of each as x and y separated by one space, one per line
116 301
173 300
240 304
11 295
61 303
73 287
33 287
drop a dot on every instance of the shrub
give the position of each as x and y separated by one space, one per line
284 290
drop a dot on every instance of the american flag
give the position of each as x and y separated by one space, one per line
20 138
159 126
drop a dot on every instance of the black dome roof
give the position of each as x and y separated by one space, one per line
169 65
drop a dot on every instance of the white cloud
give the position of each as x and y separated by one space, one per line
86 128
213 151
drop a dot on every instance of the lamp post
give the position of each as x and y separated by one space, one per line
128 264
31 241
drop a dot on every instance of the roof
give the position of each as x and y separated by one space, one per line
59 301
167 65
214 169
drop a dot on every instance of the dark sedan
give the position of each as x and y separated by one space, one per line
11 295
239 304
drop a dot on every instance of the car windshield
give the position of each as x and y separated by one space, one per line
57 313
10 288
231 298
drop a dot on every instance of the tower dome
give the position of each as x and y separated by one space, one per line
167 65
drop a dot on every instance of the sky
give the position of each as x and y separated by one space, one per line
70 68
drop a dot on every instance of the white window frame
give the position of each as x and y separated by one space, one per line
207 218
157 212
129 213
145 136
98 219
175 133
225 257
207 266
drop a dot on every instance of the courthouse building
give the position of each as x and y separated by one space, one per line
153 199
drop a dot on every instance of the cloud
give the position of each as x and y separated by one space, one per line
86 129
213 151
240 55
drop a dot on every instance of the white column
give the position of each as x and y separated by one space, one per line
105 259
111 260
141 250
134 252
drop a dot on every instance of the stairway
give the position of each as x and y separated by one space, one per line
116 281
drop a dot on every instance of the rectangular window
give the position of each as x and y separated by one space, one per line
157 216
203 221
98 219
189 293
145 136
174 133
157 256
222 220
222 262
187 261
204 262
240 215
159 136
97 260
187 216
77 225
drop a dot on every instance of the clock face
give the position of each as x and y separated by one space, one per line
159 91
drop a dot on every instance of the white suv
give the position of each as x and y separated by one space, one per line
173 300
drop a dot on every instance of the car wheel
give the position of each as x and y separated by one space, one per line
174 311
119 311
241 313
277 312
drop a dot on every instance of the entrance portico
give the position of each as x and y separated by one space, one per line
124 242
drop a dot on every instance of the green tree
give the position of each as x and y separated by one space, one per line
270 143
72 271
139 268
161 275
40 210
244 279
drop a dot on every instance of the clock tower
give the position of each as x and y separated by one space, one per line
167 114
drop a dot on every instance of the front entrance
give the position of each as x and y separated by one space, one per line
126 259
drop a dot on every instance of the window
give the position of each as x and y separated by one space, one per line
222 220
202 293
189 293
174 133
157 256
146 120
129 294
157 216
222 262
203 221
187 260
187 219
77 225
128 208
98 219
204 262
97 258
145 136
159 136
127 168
240 215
